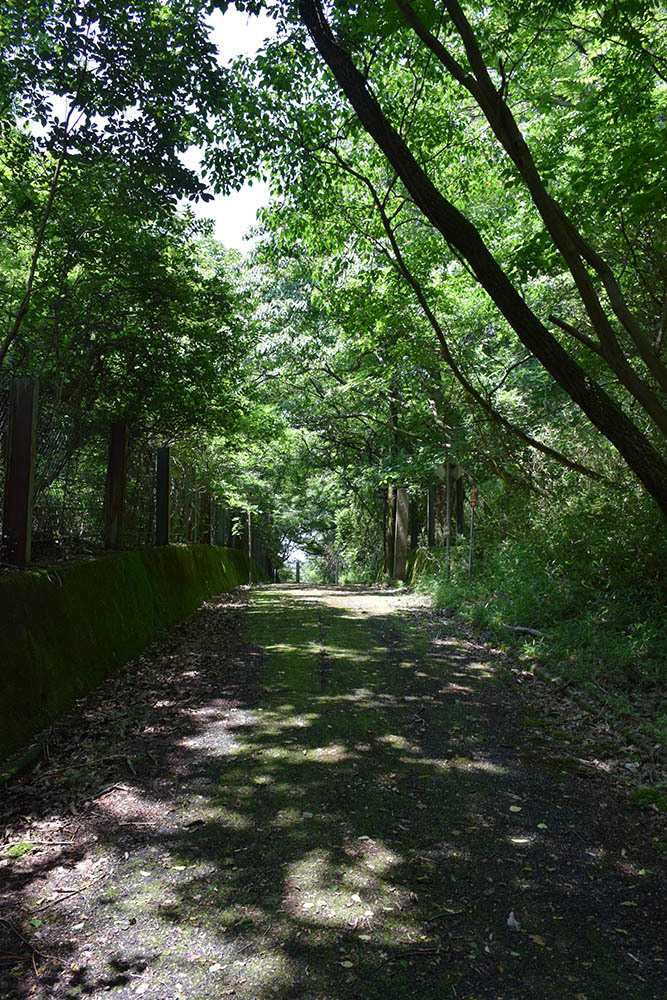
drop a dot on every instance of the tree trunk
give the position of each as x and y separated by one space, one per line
644 460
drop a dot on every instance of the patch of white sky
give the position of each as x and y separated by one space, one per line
234 34
234 215
237 34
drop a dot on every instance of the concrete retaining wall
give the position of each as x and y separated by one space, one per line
66 628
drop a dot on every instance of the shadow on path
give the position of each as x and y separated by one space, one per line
355 811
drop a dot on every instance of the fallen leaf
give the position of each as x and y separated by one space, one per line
512 922
538 940
515 809
347 965
216 967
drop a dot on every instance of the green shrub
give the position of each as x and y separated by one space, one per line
587 570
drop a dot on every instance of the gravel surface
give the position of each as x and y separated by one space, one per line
324 793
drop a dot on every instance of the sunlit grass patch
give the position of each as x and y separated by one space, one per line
457 763
395 740
320 890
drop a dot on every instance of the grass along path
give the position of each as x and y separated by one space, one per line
360 813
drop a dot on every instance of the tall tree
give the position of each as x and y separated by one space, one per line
128 82
424 81
459 232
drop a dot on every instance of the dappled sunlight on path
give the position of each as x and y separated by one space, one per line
349 814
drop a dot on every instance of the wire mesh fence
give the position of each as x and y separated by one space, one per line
71 474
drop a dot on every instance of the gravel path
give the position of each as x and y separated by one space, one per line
323 795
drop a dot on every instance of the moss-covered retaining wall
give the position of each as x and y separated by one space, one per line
65 628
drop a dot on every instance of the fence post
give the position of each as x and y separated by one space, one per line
451 535
205 518
114 500
391 534
401 534
162 496
218 524
430 516
385 506
249 546
21 444
460 503
414 529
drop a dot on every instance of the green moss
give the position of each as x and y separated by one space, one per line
649 797
18 850
66 628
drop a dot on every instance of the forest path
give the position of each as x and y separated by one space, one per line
321 796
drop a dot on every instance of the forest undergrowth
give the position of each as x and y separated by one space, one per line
574 594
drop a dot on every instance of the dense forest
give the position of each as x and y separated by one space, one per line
463 261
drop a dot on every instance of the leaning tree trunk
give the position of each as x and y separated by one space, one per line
640 455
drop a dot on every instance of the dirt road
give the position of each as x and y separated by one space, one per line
322 795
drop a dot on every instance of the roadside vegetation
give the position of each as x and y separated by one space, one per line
463 260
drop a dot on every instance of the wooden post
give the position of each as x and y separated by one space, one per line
162 496
298 571
401 534
414 530
430 516
20 471
114 500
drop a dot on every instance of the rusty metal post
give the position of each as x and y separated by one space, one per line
401 534
20 471
249 546
449 540
218 524
205 518
384 530
460 505
162 496
114 500
391 534
430 516
414 529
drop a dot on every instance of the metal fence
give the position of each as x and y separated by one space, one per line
73 488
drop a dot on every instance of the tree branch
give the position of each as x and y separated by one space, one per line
639 453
